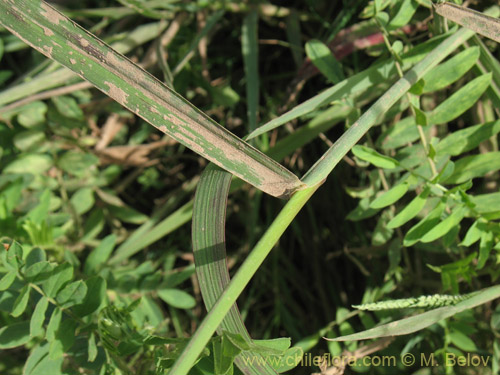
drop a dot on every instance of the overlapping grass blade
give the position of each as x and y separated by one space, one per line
137 37
421 321
476 21
359 83
209 248
59 38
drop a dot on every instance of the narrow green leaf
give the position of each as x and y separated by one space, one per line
99 256
92 348
250 50
21 301
485 247
323 59
446 225
467 139
390 197
473 166
373 157
421 321
407 9
14 335
487 203
471 19
419 230
177 298
72 294
54 323
69 44
141 8
38 317
411 210
451 70
460 101
7 280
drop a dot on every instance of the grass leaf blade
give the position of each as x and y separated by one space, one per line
115 75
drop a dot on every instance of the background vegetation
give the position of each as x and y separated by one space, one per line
97 275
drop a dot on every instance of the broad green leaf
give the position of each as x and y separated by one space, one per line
451 70
419 230
177 298
373 157
54 323
323 59
39 272
420 117
144 95
94 299
62 274
460 101
32 114
411 210
485 247
389 197
83 200
476 21
77 163
473 166
14 335
65 338
467 139
72 294
15 255
34 256
39 214
407 9
7 280
21 301
68 107
421 321
36 164
39 363
445 226
462 341
29 140
38 317
99 256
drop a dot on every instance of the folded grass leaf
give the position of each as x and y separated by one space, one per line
59 38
